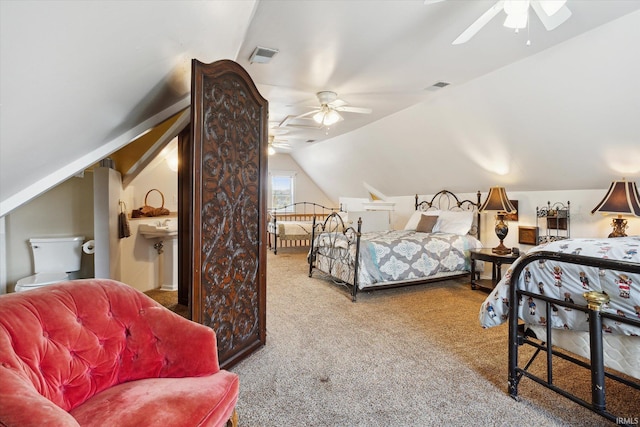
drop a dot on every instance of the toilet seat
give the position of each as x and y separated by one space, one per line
40 279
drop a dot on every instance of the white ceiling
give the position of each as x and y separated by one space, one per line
78 80
385 54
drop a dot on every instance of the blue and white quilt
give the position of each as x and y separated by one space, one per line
403 255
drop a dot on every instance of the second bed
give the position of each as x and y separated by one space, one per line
434 245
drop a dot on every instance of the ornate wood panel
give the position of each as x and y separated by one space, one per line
229 128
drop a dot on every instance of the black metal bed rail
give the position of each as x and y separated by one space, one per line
595 314
332 227
446 200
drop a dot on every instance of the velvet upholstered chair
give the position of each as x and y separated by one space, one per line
100 353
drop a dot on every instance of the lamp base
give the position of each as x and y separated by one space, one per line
501 249
502 229
619 225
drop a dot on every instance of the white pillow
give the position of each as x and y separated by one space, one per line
344 216
415 219
454 222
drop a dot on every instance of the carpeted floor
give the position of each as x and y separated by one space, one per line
413 356
169 299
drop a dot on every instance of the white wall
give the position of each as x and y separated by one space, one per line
583 224
65 210
305 189
565 118
140 263
107 188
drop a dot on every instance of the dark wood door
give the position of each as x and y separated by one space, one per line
228 162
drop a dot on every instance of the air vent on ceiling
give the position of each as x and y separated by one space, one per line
438 85
311 140
262 55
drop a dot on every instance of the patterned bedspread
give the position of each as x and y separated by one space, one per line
392 256
568 282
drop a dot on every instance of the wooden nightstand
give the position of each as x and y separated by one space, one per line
496 261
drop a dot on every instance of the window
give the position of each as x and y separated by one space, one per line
282 185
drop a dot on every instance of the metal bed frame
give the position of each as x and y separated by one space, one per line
518 337
333 224
299 211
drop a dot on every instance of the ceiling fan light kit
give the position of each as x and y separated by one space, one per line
328 113
517 14
552 13
327 116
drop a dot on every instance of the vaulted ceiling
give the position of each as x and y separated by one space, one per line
79 80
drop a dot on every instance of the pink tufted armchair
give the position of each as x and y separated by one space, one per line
99 353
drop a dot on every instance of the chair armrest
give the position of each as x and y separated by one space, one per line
190 348
22 405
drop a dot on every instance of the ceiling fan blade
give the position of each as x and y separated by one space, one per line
308 113
551 6
360 110
337 103
480 22
553 21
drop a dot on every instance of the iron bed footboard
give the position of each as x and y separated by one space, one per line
333 223
517 336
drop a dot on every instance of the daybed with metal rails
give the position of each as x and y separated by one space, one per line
290 225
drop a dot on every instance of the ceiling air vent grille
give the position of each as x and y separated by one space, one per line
437 85
262 55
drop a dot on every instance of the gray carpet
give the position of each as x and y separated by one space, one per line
414 356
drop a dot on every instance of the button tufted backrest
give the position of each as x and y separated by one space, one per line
75 339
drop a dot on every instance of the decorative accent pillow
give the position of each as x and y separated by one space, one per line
426 223
454 222
415 218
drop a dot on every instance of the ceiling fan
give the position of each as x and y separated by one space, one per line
552 13
328 113
277 143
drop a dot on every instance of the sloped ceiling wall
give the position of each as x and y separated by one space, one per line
82 79
566 118
562 119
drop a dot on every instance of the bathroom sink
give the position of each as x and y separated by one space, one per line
159 229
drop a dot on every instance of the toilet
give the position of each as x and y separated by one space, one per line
53 259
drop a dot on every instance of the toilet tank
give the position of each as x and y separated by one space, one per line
56 254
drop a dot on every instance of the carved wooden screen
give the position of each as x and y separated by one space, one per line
229 129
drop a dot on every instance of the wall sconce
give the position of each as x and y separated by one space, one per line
621 199
497 200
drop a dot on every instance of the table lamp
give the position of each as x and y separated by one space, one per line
621 199
497 200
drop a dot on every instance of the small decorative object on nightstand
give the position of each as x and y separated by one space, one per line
496 272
